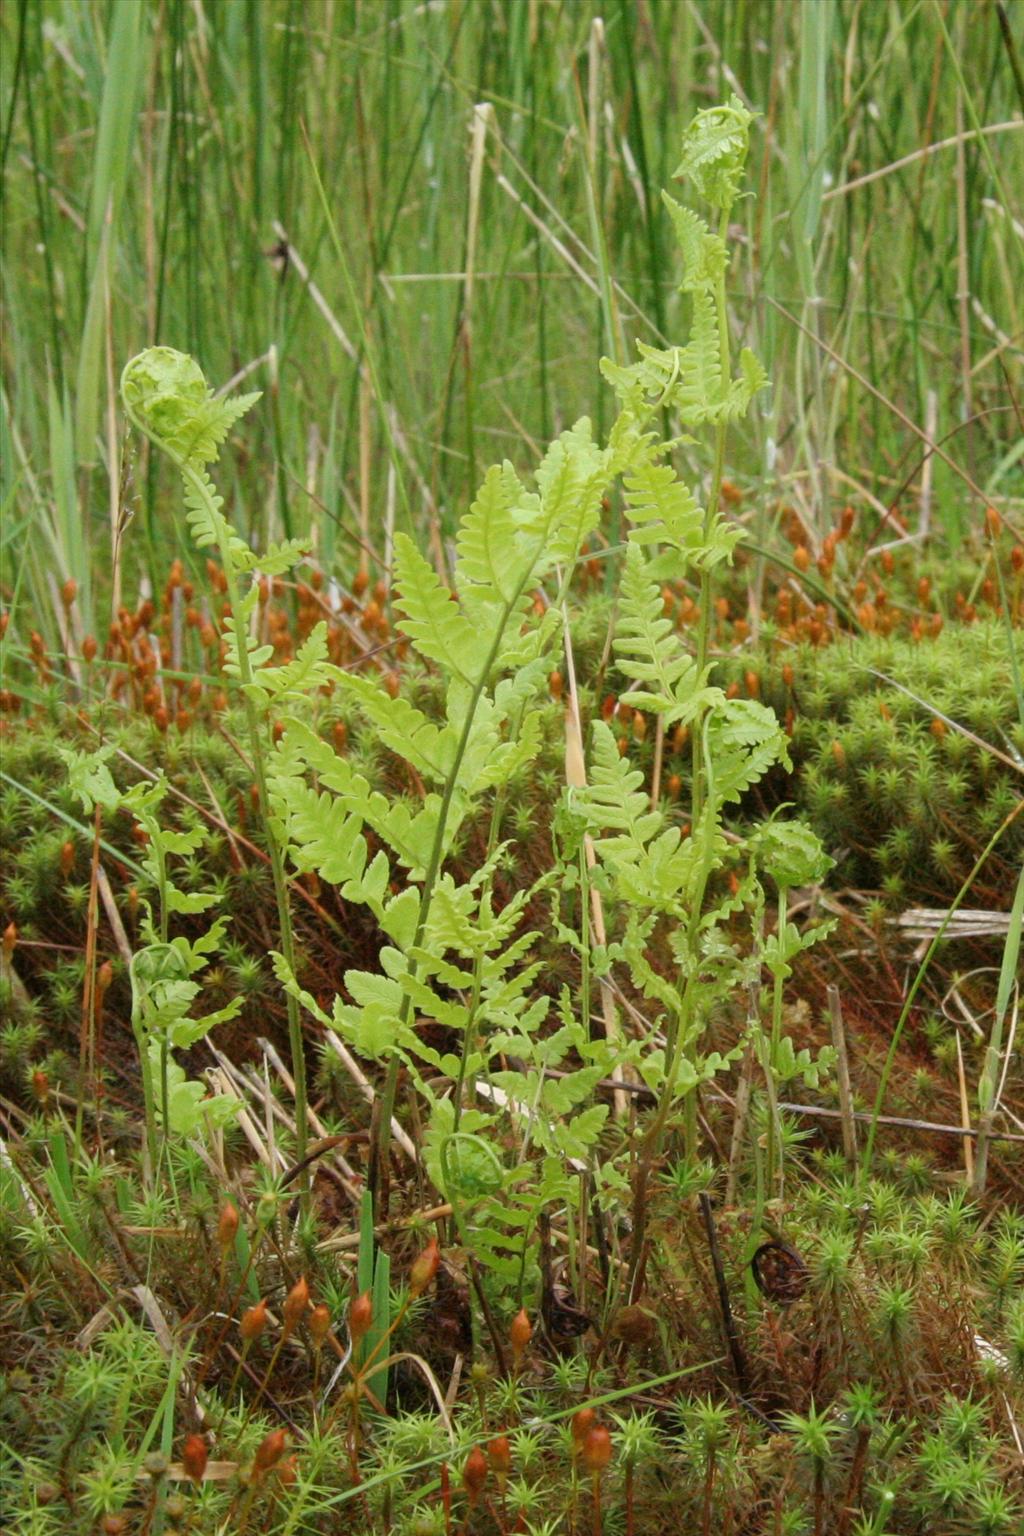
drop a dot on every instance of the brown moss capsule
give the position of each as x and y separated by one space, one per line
753 684
360 1316
319 1324
555 684
520 1333
499 1454
194 1457
296 1304
161 718
788 675
1017 557
40 1086
474 1474
581 1424
68 592
673 786
994 521
839 754
846 522
424 1268
67 858
269 1451
227 1225
596 1450
254 1320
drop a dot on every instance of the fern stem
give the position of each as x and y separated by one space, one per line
284 915
381 1147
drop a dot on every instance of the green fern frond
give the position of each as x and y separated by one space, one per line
661 509
704 255
494 553
433 620
745 740
651 652
572 478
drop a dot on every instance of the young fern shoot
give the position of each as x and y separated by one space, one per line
167 398
660 877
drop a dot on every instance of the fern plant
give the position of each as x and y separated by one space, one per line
167 398
449 952
663 879
163 968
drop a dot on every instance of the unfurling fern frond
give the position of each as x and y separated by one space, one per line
167 397
715 152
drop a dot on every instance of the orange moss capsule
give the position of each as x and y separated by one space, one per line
753 684
360 1316
340 734
623 746
582 1422
277 730
253 1322
520 1333
499 1454
801 557
788 675
596 1450
846 522
673 786
731 494
182 721
40 1086
360 582
888 562
994 521
68 592
937 728
89 648
194 1455
227 1225
839 754
423 1269
639 725
67 858
392 684
1017 557
555 684
733 691
269 1452
319 1324
474 1474
296 1304
607 707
